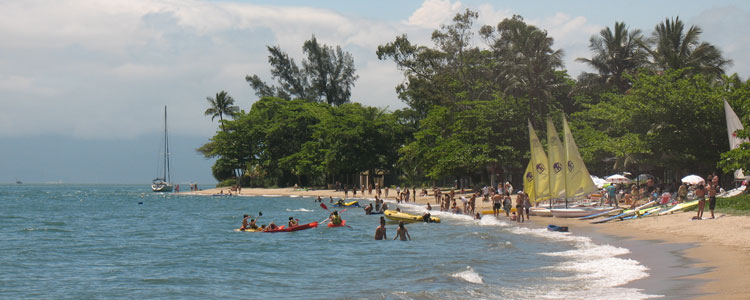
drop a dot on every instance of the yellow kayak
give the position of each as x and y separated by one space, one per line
490 212
402 216
249 230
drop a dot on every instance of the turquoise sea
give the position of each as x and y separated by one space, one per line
126 242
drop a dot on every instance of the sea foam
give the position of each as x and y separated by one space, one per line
469 275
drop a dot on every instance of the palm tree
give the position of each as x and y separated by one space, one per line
615 54
673 48
529 62
222 105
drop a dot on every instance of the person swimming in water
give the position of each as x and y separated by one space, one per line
402 232
380 231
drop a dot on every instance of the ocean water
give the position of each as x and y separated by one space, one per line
98 242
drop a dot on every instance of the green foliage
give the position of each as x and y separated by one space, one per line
738 205
327 74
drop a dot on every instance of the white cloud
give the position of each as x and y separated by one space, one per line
432 13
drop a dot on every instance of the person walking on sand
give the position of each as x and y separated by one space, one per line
380 231
526 204
473 203
519 208
700 194
401 232
496 204
346 192
386 192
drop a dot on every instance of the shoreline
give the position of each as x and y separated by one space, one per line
713 253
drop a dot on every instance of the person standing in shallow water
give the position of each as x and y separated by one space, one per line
402 232
380 231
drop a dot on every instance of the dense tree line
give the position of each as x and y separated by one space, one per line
653 104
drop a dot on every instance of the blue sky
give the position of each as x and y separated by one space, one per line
94 75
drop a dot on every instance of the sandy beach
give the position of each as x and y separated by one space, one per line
721 246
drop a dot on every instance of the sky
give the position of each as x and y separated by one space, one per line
83 83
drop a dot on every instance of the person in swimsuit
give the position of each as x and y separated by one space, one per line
401 232
253 225
700 193
526 205
368 209
496 205
428 206
519 208
380 231
244 222
292 222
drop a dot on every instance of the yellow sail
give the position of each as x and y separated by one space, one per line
541 172
528 181
556 161
578 181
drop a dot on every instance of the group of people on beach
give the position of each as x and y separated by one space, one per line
637 194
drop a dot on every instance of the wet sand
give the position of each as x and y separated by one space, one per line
706 259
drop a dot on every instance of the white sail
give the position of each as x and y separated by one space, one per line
556 155
578 180
734 124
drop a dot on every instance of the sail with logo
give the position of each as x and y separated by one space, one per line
578 181
734 124
540 173
557 174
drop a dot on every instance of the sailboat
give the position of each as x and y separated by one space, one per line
734 124
567 176
163 184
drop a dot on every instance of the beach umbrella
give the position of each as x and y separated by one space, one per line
598 181
693 179
617 179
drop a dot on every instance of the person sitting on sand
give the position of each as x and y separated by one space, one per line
292 222
401 232
244 222
380 231
335 218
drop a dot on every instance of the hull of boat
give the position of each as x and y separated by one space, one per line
161 188
540 212
574 212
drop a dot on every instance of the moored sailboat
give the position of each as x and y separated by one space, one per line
163 183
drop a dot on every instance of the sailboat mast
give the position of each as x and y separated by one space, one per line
166 149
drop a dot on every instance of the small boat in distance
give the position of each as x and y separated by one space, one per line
163 184
18 181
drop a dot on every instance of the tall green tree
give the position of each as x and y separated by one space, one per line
220 106
527 61
616 54
453 70
674 48
327 74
